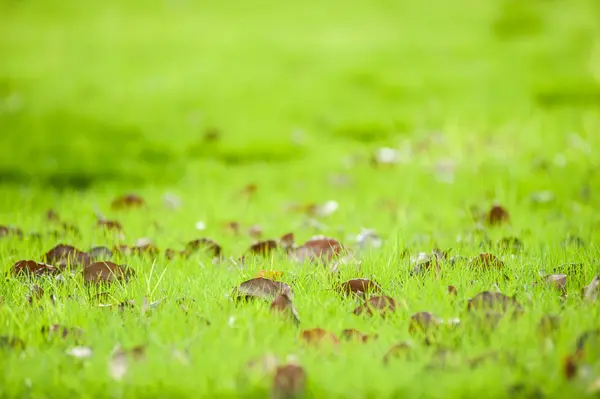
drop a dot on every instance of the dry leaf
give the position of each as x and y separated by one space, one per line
570 367
318 336
380 305
128 201
423 322
35 293
497 215
590 292
402 350
263 248
557 281
204 244
352 334
109 225
452 290
283 304
11 342
67 255
119 362
493 301
261 288
6 231
106 272
486 260
318 248
360 287
100 253
289 382
287 241
31 267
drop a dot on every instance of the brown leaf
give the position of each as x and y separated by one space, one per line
52 216
255 231
261 288
570 367
67 255
360 287
548 324
109 225
493 301
100 253
352 334
263 248
289 382
35 294
106 272
318 248
318 336
402 350
381 305
31 267
452 290
6 231
11 342
145 246
423 322
557 281
590 292
62 331
283 304
486 260
128 201
249 190
497 215
287 241
120 359
233 227
204 244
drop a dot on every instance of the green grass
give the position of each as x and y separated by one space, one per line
97 100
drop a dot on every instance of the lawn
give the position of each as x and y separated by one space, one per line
446 130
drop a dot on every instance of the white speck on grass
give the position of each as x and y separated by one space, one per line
231 321
368 238
79 352
172 201
327 208
200 225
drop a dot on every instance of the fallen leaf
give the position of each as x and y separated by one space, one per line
493 301
8 342
452 290
67 255
233 227
424 263
62 331
360 287
204 244
52 216
264 365
128 201
486 260
381 305
423 322
557 281
119 362
497 215
318 336
401 350
109 225
106 272
283 304
100 253
255 231
287 241
590 292
6 231
368 238
570 367
80 352
289 382
318 248
35 294
263 248
548 324
352 334
31 267
261 288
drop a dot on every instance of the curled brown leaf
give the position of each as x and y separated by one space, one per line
289 382
261 288
381 305
106 272
31 267
128 201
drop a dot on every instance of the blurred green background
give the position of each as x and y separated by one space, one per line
157 91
